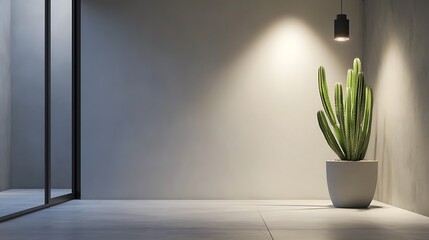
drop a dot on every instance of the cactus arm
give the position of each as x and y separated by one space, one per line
353 112
361 101
347 115
355 79
324 95
367 123
350 125
353 101
330 138
356 71
339 107
357 65
349 78
360 105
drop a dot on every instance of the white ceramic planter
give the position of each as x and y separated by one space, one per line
351 184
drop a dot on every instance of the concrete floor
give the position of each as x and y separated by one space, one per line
15 200
247 220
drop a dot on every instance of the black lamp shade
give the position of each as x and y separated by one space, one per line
341 28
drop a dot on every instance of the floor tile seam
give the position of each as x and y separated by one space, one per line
270 230
139 229
334 229
265 223
410 229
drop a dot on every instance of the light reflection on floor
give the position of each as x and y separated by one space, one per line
216 219
15 200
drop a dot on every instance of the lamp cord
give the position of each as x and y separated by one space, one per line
341 6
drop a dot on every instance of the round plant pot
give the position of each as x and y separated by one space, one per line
351 184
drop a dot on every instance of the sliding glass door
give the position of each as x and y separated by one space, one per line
39 104
61 98
22 123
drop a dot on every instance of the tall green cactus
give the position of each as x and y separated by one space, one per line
348 129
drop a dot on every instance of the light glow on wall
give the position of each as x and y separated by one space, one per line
394 84
264 95
282 54
399 122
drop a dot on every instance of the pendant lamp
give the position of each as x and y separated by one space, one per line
341 26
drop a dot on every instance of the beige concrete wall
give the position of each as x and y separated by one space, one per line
396 57
203 99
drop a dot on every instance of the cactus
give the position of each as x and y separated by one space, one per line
348 129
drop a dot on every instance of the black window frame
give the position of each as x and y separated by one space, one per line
76 110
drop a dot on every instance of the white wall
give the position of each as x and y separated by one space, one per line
396 57
4 94
202 99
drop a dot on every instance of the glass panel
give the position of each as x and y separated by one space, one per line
22 43
61 97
